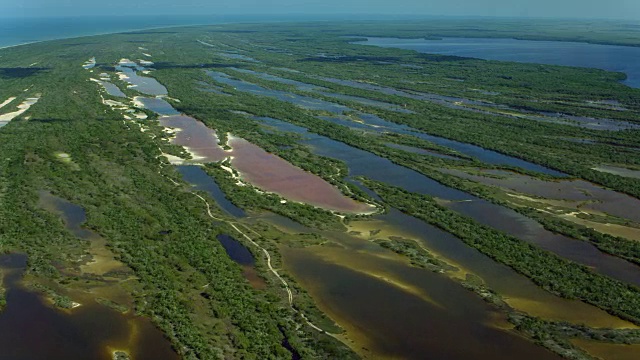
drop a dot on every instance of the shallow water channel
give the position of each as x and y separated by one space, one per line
200 180
362 163
375 123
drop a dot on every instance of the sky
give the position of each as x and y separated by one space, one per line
613 9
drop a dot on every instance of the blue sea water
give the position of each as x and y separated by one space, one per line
607 57
15 31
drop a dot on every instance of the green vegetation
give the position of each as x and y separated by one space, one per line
418 255
551 272
61 301
182 278
112 304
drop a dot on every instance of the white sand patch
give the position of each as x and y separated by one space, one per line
114 104
227 169
146 72
141 116
89 64
66 159
205 43
170 130
127 117
194 156
137 103
141 48
230 171
145 54
35 63
7 102
174 160
168 98
125 61
145 62
22 108
230 137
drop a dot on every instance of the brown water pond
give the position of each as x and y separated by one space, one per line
393 311
609 351
32 328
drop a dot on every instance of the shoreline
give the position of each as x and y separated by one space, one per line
391 18
110 33
16 45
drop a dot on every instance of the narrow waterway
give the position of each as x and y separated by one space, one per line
362 163
375 123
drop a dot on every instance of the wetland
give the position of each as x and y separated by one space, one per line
287 193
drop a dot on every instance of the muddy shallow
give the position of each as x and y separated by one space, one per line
434 316
91 331
594 197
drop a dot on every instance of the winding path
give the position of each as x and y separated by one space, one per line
266 254
269 265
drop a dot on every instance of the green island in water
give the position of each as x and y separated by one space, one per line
322 190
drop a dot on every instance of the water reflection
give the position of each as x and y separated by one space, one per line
362 163
146 85
391 322
374 123
202 181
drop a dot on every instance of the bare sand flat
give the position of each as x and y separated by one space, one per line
7 102
22 108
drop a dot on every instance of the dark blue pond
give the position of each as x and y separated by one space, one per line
236 251
195 176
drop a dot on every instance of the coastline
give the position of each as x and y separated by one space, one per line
16 45
108 33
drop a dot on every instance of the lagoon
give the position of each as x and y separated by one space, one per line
606 57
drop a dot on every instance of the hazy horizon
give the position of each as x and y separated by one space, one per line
562 9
